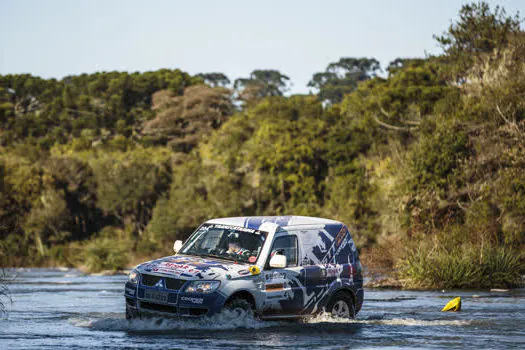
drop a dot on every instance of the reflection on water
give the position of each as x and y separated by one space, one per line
64 308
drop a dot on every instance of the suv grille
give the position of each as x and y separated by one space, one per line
174 283
171 283
150 280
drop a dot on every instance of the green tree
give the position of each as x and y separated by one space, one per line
342 77
260 84
129 184
477 32
74 180
277 149
183 121
48 220
215 79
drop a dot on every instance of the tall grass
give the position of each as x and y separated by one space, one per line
463 267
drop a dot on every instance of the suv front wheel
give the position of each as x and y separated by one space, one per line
131 313
239 305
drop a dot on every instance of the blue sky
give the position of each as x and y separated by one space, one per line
55 38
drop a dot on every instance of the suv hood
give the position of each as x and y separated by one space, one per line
194 268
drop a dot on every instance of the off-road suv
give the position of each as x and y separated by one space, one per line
277 267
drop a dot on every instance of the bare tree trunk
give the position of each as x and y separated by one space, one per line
39 245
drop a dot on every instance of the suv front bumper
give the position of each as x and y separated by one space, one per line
171 303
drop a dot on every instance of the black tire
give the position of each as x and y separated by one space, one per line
131 313
342 305
239 305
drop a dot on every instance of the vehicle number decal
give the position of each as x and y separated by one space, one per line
156 296
193 300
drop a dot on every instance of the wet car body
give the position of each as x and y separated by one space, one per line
321 267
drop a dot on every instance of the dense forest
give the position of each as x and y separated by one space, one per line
424 159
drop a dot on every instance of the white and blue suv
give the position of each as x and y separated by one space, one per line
275 266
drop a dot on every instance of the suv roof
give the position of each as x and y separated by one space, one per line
255 222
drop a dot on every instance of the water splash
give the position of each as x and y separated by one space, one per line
229 320
223 321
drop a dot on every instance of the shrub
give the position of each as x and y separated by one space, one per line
110 250
437 156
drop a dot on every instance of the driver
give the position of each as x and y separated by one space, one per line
234 244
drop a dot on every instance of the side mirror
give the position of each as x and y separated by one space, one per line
177 245
278 261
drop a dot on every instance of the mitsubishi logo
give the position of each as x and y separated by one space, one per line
160 283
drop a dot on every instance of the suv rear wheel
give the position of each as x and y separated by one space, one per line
342 305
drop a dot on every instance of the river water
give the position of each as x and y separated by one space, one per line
54 308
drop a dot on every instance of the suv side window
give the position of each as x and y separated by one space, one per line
287 245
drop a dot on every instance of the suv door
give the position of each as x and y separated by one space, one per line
315 246
283 289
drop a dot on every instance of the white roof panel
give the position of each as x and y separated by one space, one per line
256 221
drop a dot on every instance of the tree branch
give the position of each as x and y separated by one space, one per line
393 127
502 115
411 122
404 121
513 124
383 111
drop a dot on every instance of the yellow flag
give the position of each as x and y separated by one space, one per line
453 305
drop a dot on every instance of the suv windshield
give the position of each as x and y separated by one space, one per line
226 242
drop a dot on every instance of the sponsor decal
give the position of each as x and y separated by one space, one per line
252 259
236 228
274 287
178 267
186 267
166 271
332 271
146 266
193 300
275 276
340 236
243 272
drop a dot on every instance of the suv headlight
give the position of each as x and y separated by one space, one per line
134 277
202 287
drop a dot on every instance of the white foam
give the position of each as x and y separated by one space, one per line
325 317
